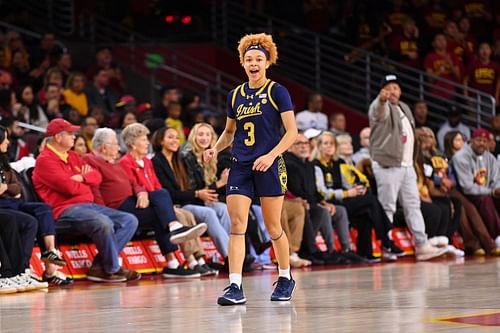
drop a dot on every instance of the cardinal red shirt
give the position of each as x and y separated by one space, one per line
483 76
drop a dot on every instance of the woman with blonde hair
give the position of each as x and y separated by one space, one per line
203 175
342 184
173 177
345 149
257 110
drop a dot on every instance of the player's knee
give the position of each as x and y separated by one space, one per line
238 225
275 231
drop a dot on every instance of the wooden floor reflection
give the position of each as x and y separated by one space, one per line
403 297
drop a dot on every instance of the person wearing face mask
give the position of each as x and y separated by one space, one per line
392 144
257 110
479 179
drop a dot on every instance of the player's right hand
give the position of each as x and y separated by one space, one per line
209 154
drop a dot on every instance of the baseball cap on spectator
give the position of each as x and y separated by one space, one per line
143 107
59 125
311 133
481 133
454 110
5 79
389 78
125 100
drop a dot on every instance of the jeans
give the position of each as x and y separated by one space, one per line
39 210
109 229
159 213
220 209
219 234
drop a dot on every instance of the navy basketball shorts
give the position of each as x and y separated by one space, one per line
245 181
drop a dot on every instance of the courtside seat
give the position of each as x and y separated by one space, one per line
64 230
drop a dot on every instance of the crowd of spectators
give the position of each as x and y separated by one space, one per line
97 165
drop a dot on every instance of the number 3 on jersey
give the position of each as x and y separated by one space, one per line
250 128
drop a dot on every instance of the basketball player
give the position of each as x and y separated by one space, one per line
256 112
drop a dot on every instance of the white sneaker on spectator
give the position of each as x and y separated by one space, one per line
34 281
6 287
439 241
442 241
20 283
454 251
434 241
428 252
388 256
297 262
497 241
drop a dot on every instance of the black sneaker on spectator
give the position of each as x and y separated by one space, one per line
247 263
205 270
337 258
183 234
210 269
372 260
394 249
58 279
53 257
180 272
129 274
97 274
355 258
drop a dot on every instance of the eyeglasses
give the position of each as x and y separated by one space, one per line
301 143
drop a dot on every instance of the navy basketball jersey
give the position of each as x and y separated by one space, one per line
258 120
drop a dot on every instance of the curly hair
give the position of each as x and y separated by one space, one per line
210 168
263 40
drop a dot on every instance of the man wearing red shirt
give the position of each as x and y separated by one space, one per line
404 46
443 64
456 43
483 74
64 181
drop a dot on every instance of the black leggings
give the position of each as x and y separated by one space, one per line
367 209
11 249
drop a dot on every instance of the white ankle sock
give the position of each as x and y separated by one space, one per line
192 263
174 225
235 278
201 261
173 264
285 273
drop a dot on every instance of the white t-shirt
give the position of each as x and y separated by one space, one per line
408 140
307 119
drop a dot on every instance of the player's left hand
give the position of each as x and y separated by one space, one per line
263 163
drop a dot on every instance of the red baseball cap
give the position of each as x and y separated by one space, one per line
59 125
480 133
125 100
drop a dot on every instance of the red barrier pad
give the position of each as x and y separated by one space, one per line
35 262
403 239
154 252
136 258
211 251
78 260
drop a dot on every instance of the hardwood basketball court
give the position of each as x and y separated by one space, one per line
444 296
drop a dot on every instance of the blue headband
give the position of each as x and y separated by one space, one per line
259 48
